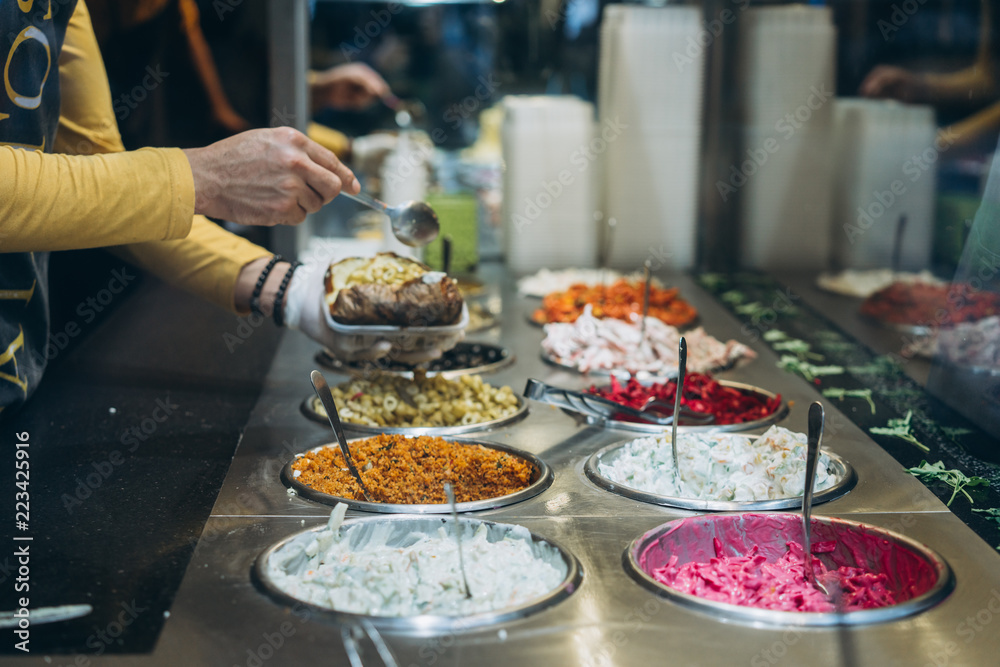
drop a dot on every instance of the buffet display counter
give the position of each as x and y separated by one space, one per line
222 616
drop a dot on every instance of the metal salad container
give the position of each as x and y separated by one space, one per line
918 576
309 409
540 481
841 469
403 530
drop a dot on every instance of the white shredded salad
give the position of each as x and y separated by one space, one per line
595 344
422 577
719 466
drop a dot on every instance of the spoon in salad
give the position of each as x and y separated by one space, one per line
323 391
682 355
448 491
414 223
815 435
645 303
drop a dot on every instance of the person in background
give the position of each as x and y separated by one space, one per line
165 38
976 86
67 183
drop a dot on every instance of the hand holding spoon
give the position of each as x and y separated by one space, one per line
414 223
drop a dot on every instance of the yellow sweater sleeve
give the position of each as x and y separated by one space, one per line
195 254
62 202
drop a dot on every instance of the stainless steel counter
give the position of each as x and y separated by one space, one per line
220 618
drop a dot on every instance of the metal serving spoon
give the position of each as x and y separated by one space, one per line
815 435
645 302
323 391
414 223
682 357
448 491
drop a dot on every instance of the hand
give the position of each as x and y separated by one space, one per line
304 310
353 87
886 81
266 177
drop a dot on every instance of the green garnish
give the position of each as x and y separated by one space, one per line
798 347
900 428
772 335
733 296
809 371
881 365
753 309
837 346
956 479
840 393
712 281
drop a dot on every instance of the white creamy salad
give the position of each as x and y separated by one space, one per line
719 466
421 578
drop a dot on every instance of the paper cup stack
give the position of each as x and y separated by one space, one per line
549 199
650 75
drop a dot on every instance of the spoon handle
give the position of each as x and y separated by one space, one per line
815 435
323 391
450 493
367 200
446 254
682 354
645 301
897 245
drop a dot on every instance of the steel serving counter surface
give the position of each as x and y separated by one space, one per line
220 617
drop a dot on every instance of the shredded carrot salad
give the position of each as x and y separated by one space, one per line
620 300
413 470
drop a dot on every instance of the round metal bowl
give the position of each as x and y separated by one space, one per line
763 422
841 469
918 576
540 481
309 409
624 374
465 358
403 528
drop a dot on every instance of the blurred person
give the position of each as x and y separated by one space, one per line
976 86
67 183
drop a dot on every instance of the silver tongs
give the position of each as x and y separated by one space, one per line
592 405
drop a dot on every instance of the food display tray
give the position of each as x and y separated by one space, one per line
309 409
466 358
612 618
840 468
540 481
364 336
639 427
680 539
403 527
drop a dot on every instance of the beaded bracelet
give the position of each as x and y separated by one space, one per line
279 298
259 287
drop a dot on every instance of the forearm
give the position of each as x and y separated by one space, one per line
210 263
972 85
977 132
61 202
